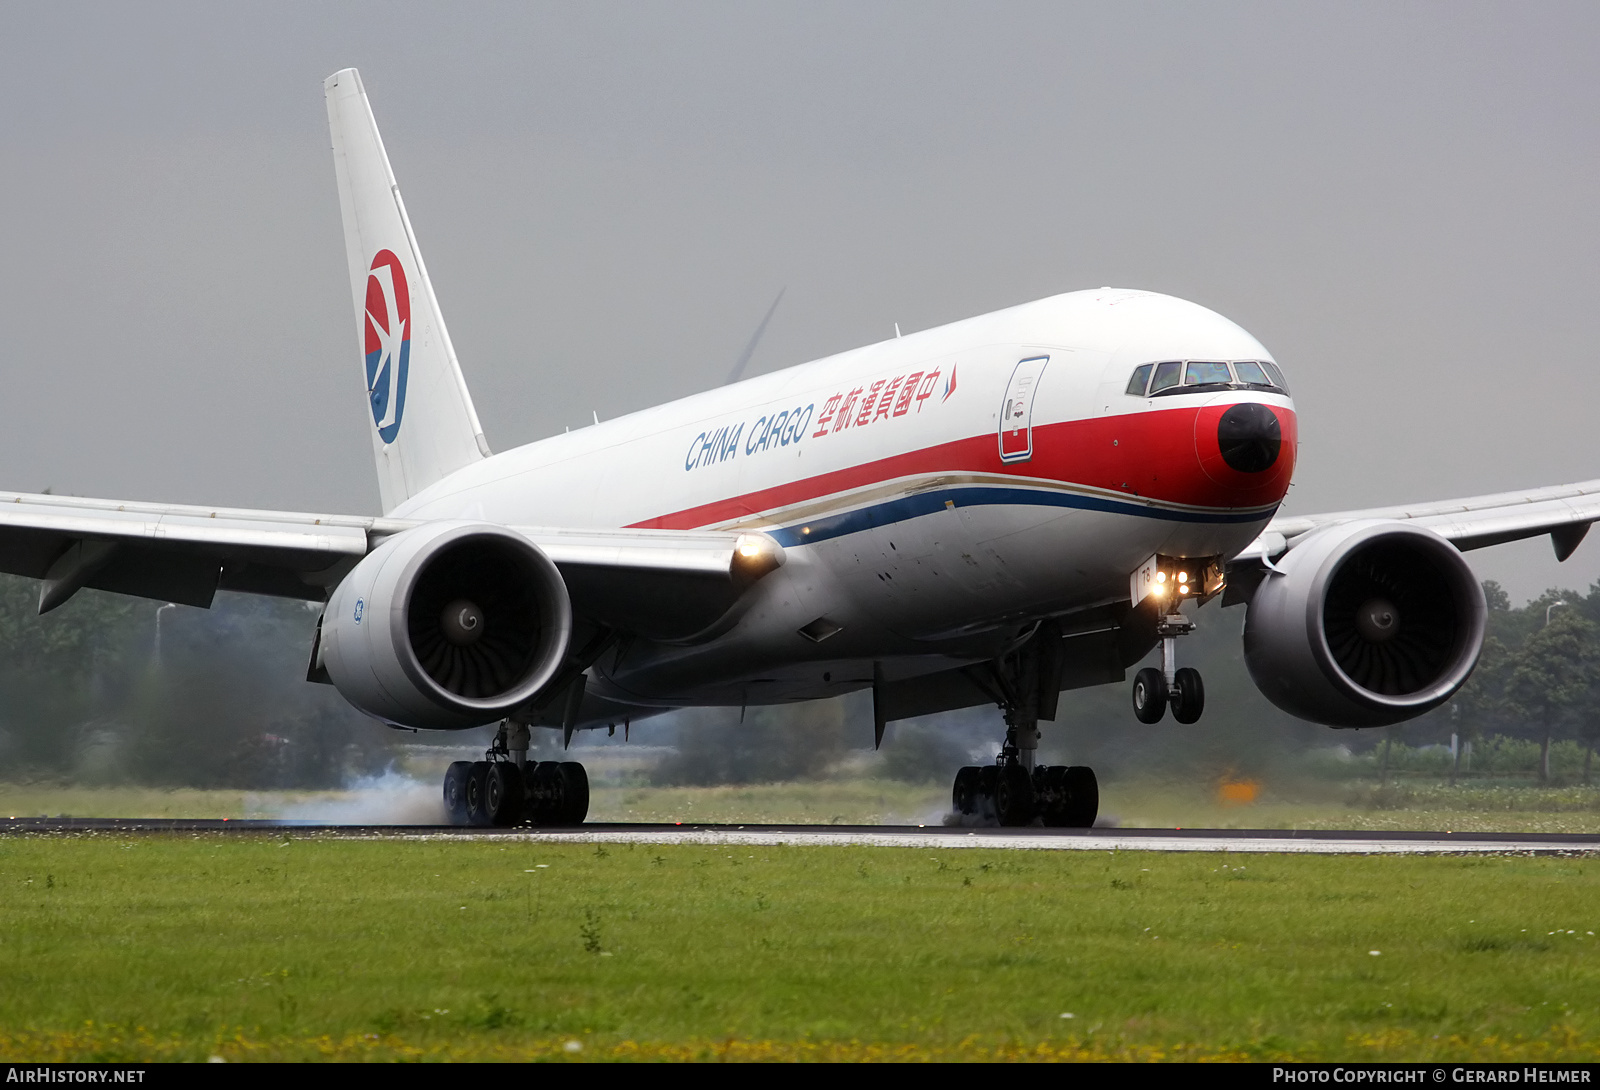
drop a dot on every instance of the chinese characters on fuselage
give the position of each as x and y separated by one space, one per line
858 407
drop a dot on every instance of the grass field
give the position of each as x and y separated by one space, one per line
278 947
864 801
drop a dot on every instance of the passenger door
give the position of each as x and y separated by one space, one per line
1016 411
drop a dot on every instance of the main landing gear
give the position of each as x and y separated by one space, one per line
1059 796
505 790
1181 687
1014 790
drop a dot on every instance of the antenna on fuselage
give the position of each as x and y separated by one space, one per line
755 339
897 331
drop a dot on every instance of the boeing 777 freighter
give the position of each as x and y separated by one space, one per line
985 513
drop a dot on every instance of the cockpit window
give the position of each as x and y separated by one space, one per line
1166 377
1203 373
1277 376
1251 373
1180 376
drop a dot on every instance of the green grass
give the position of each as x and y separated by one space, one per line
864 801
52 800
276 947
831 802
1358 805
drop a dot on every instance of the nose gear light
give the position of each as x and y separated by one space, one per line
1170 578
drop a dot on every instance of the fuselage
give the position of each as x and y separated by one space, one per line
935 493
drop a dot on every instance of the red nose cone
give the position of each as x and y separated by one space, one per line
1247 448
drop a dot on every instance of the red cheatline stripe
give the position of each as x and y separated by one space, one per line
959 456
1147 455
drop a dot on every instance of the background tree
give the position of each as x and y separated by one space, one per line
85 696
764 745
62 671
1552 678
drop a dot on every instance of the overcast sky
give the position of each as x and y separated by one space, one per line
1398 200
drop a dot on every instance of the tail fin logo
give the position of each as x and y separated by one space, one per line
388 342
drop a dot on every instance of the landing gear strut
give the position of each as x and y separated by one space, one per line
504 789
1180 687
1015 790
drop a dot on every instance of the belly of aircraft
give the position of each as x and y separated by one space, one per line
952 586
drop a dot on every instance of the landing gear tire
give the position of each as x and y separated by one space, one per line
544 792
1150 695
1050 791
1082 797
964 796
1013 797
988 787
503 794
1058 796
558 793
477 788
1188 695
1068 798
455 792
574 806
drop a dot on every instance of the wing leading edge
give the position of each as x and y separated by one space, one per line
1564 512
664 584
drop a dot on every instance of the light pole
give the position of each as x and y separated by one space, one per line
1544 750
159 611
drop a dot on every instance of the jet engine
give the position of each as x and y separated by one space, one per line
1365 624
449 625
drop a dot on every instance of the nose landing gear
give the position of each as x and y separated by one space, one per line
1168 582
1180 687
504 789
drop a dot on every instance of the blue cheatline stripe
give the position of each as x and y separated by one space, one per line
926 503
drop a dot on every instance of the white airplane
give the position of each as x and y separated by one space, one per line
989 512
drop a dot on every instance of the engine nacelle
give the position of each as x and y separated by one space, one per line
449 625
1370 623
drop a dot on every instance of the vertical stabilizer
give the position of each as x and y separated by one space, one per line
423 424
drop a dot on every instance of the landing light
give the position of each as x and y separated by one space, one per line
755 555
1174 579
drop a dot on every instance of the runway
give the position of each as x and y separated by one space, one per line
1279 841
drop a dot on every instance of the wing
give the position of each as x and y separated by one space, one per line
1562 511
665 584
